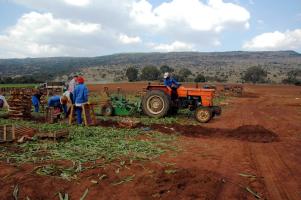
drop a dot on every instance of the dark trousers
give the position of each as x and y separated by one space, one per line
71 97
78 111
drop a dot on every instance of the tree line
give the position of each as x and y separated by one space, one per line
255 74
152 73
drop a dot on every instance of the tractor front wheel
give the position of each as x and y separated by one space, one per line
107 110
156 103
203 114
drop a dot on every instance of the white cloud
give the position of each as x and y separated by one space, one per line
93 27
38 34
129 40
289 40
192 14
175 46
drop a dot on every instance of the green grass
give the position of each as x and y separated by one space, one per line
17 85
88 144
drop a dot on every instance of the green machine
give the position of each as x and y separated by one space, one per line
119 105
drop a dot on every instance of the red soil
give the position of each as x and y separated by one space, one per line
232 157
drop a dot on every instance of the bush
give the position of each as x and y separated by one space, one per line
293 77
183 75
150 73
200 78
20 80
132 74
185 72
255 75
178 77
166 68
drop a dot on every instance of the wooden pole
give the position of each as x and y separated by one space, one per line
4 133
13 129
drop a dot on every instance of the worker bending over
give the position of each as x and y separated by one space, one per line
80 97
58 103
36 99
3 103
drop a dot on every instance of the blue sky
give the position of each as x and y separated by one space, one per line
35 28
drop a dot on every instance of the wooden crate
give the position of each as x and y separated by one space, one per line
50 116
7 133
89 118
53 135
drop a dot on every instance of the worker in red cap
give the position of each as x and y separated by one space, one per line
80 96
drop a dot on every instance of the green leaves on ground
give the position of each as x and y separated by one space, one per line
87 144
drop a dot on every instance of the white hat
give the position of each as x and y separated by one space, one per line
166 74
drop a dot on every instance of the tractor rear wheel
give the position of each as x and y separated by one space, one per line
156 103
107 110
203 114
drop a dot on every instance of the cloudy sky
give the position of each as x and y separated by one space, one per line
44 28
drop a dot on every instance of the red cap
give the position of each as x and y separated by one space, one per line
80 79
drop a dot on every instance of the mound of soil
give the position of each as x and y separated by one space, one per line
251 133
189 183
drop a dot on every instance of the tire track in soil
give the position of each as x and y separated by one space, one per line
280 182
246 162
239 160
279 177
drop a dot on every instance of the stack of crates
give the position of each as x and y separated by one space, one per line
7 133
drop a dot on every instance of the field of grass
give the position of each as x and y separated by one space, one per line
88 144
17 85
93 144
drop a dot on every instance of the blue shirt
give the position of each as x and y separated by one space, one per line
55 101
35 101
170 82
80 94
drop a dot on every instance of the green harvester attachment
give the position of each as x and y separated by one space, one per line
122 107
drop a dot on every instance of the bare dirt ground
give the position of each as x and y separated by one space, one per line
253 150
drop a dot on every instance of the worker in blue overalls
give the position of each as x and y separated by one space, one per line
80 96
172 83
36 99
59 103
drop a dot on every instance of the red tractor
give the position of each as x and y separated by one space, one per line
161 100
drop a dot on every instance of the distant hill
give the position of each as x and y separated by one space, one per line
50 68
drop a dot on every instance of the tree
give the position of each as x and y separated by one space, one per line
185 72
200 78
132 74
166 68
150 73
293 77
178 77
255 75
